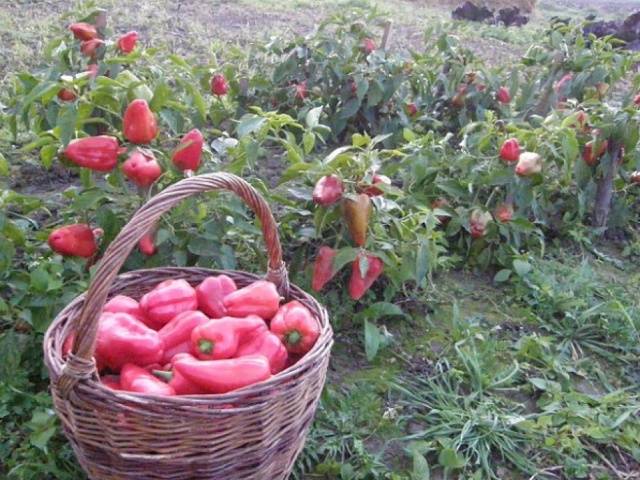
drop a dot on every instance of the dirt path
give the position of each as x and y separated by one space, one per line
190 26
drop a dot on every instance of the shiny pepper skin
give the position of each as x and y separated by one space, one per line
167 300
83 31
368 45
92 70
211 292
180 384
99 153
127 42
77 240
89 48
503 96
139 123
188 154
261 298
268 344
123 339
176 335
220 338
589 156
635 177
136 379
510 150
301 91
221 376
412 109
358 285
529 163
374 191
296 327
356 212
328 190
219 85
504 212
323 270
147 245
478 222
67 95
142 168
124 304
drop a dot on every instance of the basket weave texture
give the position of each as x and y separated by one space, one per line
252 433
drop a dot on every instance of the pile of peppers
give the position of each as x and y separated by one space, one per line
212 338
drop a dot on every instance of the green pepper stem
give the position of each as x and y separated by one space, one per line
163 374
294 337
205 346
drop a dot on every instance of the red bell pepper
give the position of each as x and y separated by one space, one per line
89 48
67 345
296 327
92 70
123 339
220 338
111 381
176 335
219 85
127 42
260 298
211 292
139 123
300 90
221 376
147 244
356 211
176 380
358 284
136 379
124 304
99 153
167 300
77 240
374 191
510 150
323 268
328 190
188 155
268 344
142 168
503 95
67 95
83 31
368 45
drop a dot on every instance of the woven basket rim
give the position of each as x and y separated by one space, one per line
322 346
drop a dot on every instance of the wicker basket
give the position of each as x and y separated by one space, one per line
252 433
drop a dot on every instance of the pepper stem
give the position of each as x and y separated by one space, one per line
163 374
205 346
294 337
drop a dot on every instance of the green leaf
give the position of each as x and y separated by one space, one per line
308 141
161 96
421 469
422 262
47 154
451 459
382 309
249 123
313 117
4 166
350 108
372 339
521 267
67 118
39 279
344 256
502 276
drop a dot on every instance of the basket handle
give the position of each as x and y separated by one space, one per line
80 363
